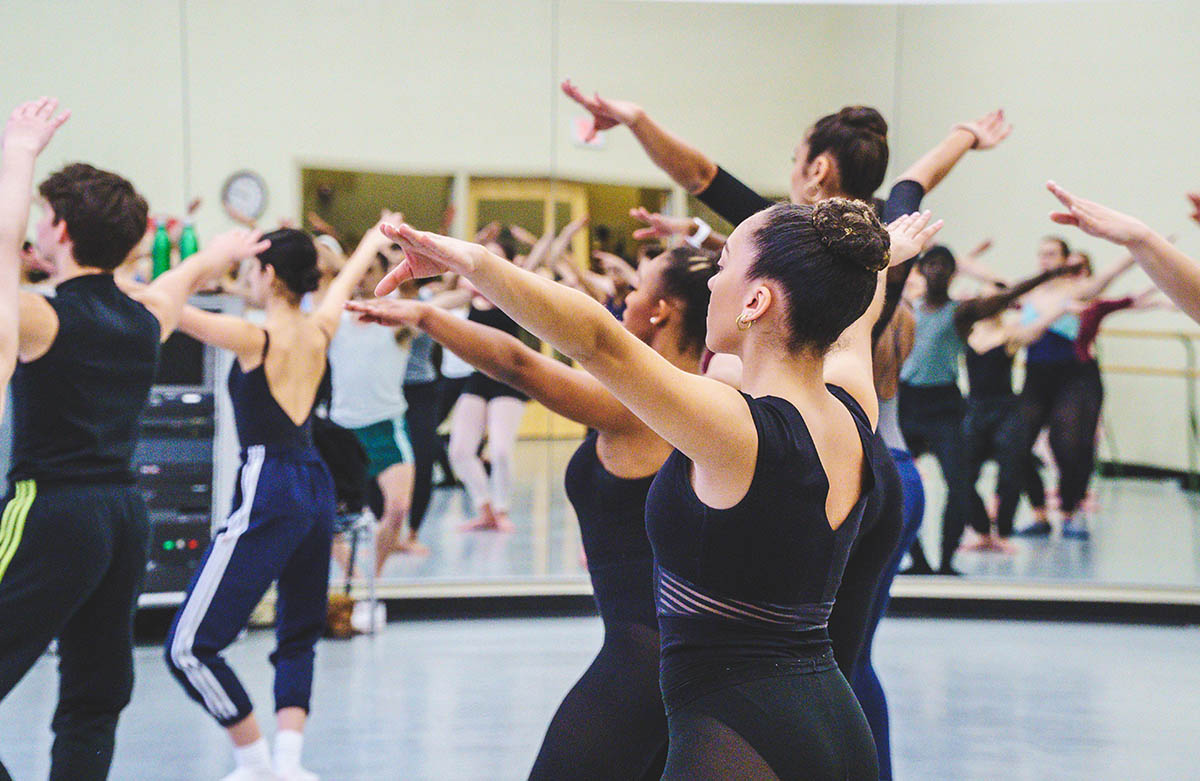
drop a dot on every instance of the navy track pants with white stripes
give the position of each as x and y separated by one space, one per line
280 530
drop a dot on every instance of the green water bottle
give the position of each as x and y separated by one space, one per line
188 244
160 254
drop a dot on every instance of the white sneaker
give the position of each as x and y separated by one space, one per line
296 774
366 621
250 774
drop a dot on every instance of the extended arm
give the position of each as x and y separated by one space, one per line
1175 273
973 310
686 165
168 294
329 314
27 133
570 392
668 399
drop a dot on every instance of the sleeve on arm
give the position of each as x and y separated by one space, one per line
904 198
731 198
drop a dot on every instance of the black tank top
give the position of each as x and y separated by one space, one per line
612 522
989 373
259 418
76 409
757 580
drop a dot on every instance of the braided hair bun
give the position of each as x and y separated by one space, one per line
852 233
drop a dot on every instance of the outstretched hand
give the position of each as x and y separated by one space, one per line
32 125
989 130
606 114
910 235
1095 219
388 311
426 255
660 225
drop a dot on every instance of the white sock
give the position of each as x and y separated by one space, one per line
288 746
256 756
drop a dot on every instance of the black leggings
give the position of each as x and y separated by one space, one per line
931 420
422 421
992 431
783 727
611 725
1065 398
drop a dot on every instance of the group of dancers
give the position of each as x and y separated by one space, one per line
743 495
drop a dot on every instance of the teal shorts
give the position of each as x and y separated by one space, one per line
386 443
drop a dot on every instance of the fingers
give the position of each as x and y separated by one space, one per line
642 234
1064 219
1062 195
394 278
929 232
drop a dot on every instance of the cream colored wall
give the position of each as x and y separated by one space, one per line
1103 97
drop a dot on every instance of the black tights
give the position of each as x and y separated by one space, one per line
780 728
611 725
1066 399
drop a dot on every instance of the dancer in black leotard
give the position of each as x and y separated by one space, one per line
611 725
793 280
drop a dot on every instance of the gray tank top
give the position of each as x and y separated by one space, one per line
936 347
888 427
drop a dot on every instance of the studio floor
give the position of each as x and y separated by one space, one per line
469 699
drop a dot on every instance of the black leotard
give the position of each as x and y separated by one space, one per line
611 725
743 598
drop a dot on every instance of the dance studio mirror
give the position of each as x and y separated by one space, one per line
452 113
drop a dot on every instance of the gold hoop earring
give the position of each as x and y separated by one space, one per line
743 322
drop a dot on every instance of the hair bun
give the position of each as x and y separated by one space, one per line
864 118
852 233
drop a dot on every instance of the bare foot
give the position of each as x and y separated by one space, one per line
974 541
504 523
1001 545
412 546
485 521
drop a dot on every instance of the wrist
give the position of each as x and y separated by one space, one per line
1141 236
637 118
967 132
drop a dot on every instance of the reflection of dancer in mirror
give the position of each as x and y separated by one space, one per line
365 362
1058 391
611 724
282 523
492 407
752 456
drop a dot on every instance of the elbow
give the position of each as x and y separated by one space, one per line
699 179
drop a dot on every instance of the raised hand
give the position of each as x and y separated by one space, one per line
238 244
32 125
910 235
660 225
427 255
522 235
388 311
989 130
1195 199
1096 220
606 114
488 232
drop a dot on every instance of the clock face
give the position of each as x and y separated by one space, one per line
246 193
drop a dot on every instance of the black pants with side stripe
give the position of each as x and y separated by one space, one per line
72 560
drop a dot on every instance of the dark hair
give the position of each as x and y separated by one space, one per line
1061 242
685 278
293 255
856 136
650 249
827 257
507 242
105 216
939 252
